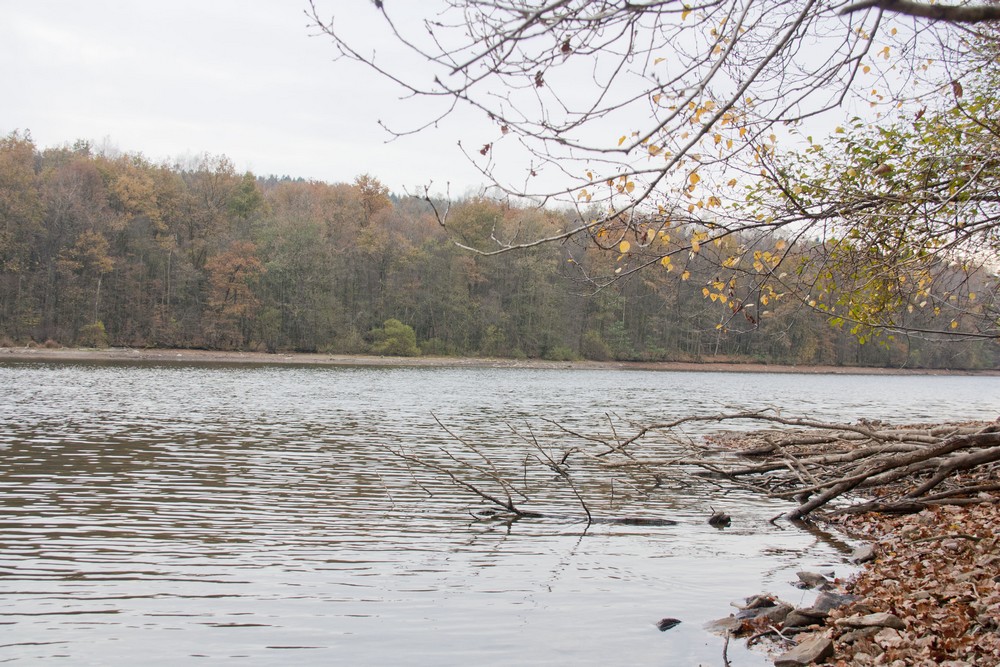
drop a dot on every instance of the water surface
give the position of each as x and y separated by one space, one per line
160 514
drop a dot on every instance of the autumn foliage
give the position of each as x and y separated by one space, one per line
198 255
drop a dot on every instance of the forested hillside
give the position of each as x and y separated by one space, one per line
100 249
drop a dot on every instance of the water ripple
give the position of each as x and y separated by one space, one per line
159 513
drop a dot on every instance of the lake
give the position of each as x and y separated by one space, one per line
257 515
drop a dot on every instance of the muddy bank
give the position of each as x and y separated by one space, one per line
304 359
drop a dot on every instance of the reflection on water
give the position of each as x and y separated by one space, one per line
156 514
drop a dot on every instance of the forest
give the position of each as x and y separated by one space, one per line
103 248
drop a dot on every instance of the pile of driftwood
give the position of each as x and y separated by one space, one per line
824 467
897 469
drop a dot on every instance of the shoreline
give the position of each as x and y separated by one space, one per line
174 356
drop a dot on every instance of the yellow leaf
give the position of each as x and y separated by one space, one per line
695 246
622 140
732 182
705 291
658 61
629 187
780 245
684 14
667 263
654 149
972 296
954 324
685 275
694 178
866 69
624 247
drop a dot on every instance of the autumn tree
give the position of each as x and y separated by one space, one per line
21 212
659 116
233 276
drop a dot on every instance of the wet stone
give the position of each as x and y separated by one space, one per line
878 620
811 580
724 625
863 554
809 651
827 601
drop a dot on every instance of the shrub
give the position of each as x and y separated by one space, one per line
593 347
560 353
394 339
438 348
92 335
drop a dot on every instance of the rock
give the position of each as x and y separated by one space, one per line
775 614
878 620
827 601
863 554
758 601
801 618
666 623
811 579
809 651
888 638
858 635
723 625
719 519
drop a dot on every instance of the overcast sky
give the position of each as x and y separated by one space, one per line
244 78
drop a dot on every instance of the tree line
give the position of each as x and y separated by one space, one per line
101 249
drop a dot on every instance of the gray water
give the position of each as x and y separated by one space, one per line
163 515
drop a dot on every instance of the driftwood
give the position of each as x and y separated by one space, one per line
817 464
826 462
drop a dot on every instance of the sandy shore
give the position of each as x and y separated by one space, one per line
118 354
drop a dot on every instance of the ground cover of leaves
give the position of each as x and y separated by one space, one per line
938 571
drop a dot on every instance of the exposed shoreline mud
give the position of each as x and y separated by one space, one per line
121 354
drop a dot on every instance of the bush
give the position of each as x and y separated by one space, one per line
436 347
91 335
394 339
560 353
593 347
